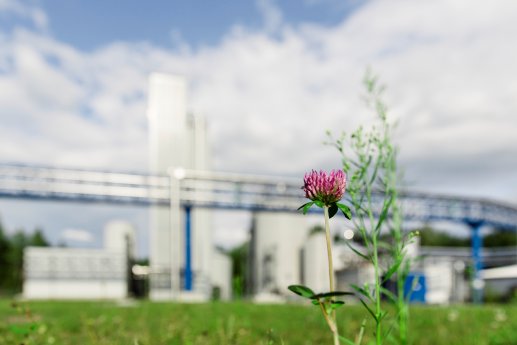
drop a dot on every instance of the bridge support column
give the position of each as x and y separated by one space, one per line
477 245
188 248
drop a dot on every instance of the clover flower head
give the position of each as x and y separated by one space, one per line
326 188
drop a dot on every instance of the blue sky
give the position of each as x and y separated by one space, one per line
88 25
270 77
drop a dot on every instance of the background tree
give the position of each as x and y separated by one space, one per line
5 249
500 238
239 258
38 239
18 243
438 238
435 238
11 257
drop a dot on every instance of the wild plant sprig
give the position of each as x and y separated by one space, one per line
369 159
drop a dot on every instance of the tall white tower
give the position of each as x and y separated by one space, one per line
176 140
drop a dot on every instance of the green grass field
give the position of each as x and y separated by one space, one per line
239 323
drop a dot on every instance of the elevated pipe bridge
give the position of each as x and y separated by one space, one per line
223 190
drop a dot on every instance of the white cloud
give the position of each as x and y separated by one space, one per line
64 107
77 235
271 14
21 9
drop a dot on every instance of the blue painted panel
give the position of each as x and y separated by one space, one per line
415 287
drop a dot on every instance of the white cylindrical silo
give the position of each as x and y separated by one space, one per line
279 238
315 263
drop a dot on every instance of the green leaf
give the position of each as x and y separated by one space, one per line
369 309
345 209
23 329
388 334
389 294
305 207
345 340
357 252
382 315
362 291
331 294
315 302
301 290
385 245
384 213
336 304
333 210
319 203
392 270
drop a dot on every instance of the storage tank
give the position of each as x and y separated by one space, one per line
277 240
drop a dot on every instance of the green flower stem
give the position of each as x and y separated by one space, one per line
329 248
399 254
331 271
378 310
375 262
403 312
331 324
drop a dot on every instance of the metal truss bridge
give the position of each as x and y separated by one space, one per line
223 190
189 188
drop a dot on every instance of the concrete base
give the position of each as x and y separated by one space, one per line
183 296
268 298
193 297
75 289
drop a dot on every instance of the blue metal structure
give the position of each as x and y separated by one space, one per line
188 248
477 264
233 191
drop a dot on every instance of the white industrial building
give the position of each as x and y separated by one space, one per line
501 281
75 273
284 252
276 240
179 141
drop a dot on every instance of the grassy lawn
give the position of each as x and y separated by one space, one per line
238 323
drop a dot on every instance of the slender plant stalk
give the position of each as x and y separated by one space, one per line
330 322
329 248
402 310
359 337
378 310
331 270
402 271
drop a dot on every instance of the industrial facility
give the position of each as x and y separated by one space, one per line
76 273
182 191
